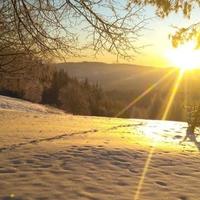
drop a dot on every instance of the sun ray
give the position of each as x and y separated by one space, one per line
186 56
152 149
135 75
147 91
172 95
145 169
185 93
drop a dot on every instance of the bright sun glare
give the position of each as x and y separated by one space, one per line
186 57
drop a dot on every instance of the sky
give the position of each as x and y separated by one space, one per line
158 38
155 38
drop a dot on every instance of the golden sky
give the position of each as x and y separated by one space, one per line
155 37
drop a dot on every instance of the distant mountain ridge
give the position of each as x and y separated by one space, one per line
114 76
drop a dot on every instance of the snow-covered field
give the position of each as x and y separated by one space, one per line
51 155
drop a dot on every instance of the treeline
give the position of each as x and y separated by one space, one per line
77 97
46 85
150 106
28 81
39 82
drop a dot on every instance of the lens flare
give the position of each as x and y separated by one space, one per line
152 149
185 57
147 91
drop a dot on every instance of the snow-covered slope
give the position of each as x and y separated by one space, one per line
8 103
52 156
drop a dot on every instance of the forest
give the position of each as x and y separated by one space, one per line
47 85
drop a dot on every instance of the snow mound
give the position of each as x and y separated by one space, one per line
8 103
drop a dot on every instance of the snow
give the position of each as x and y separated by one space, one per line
15 104
58 156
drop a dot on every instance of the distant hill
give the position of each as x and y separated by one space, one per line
126 77
115 76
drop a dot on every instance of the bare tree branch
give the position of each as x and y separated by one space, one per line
65 27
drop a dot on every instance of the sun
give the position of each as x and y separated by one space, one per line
185 57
